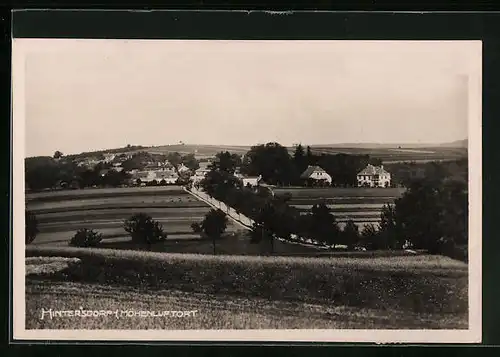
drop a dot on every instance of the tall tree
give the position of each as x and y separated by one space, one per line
419 214
174 158
368 236
144 229
190 162
214 225
31 225
300 161
389 233
324 227
272 161
455 211
225 161
58 155
350 234
309 156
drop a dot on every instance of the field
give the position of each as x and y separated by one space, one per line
60 214
362 205
387 153
200 151
395 154
245 292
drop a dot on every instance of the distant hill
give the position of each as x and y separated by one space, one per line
210 150
454 144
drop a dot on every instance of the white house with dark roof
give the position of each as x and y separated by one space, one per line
251 180
199 174
182 168
150 175
374 176
316 173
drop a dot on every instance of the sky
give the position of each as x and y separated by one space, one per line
85 95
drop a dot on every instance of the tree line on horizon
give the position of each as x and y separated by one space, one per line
272 161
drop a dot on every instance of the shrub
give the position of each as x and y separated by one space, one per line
350 234
86 238
31 225
368 236
143 229
196 227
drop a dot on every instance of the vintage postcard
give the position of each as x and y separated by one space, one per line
186 190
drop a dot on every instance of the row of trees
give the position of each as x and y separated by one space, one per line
273 216
431 215
276 166
49 174
403 173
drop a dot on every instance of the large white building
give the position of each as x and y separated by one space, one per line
159 175
251 180
374 176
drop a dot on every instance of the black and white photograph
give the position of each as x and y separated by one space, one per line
247 190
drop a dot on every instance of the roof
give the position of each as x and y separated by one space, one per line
373 170
204 165
309 171
251 177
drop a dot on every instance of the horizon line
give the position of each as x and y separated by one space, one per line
340 144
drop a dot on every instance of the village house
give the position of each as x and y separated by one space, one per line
316 174
89 162
146 176
252 181
237 173
182 168
374 176
109 157
200 174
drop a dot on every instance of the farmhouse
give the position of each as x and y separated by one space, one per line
251 181
199 174
317 174
89 162
109 157
374 176
158 175
182 168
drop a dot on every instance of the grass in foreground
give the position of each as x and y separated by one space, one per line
417 285
212 311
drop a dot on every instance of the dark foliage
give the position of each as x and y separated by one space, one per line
86 238
214 225
143 229
31 225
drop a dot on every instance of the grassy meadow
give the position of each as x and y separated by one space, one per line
396 154
246 292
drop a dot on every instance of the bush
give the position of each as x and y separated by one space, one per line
368 236
350 234
31 225
86 238
196 227
143 229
